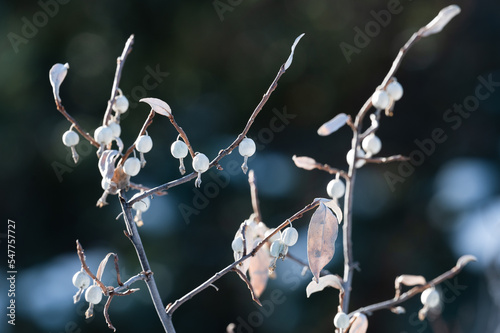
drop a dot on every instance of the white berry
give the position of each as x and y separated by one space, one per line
105 183
70 138
350 157
179 149
335 188
290 236
93 294
341 320
430 297
115 129
142 205
201 163
395 90
372 144
237 244
380 99
278 248
132 166
103 135
81 280
144 144
121 104
247 147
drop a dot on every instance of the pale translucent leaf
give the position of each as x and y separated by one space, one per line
321 236
359 324
334 206
158 106
464 260
102 265
107 163
258 269
440 21
325 281
333 125
249 241
56 76
409 280
304 162
290 58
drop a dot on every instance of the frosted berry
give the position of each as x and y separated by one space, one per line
247 147
290 236
70 138
350 158
237 244
103 135
93 294
132 166
142 205
341 320
201 163
115 129
278 249
144 144
121 104
335 188
372 144
179 149
81 280
380 99
430 297
395 90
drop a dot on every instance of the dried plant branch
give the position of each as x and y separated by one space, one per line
254 195
382 160
249 285
147 123
331 170
81 255
106 313
141 187
76 125
182 134
120 62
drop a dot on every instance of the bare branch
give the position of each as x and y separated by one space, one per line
81 255
249 285
141 187
106 313
255 197
147 123
76 125
382 160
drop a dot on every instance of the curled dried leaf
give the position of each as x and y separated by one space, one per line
304 162
56 76
102 265
464 260
333 125
409 280
258 269
359 323
158 106
334 206
290 58
440 21
330 280
321 237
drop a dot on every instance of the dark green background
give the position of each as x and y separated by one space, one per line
218 71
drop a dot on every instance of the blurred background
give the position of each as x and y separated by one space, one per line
212 61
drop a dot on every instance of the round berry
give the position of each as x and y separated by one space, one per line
341 320
132 166
372 144
103 135
290 236
395 90
201 162
142 205
335 188
144 144
247 147
70 138
81 280
380 99
116 129
237 244
350 158
105 183
430 297
278 248
121 104
93 294
179 149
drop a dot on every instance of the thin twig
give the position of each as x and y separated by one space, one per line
254 195
182 134
81 255
106 313
147 123
331 170
76 125
249 285
143 188
382 160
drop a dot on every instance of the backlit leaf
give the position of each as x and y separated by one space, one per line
304 162
359 324
321 236
440 21
56 76
158 106
258 269
333 125
290 58
325 281
464 260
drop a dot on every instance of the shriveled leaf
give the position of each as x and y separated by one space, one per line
120 180
325 281
333 125
102 265
359 324
304 162
464 260
321 236
107 163
290 58
440 21
56 76
158 106
258 270
409 280
334 206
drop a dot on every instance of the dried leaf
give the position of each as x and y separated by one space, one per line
120 180
333 125
56 76
249 242
102 265
258 270
334 206
107 163
440 21
325 281
359 324
321 236
304 162
409 280
464 260
290 58
158 106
